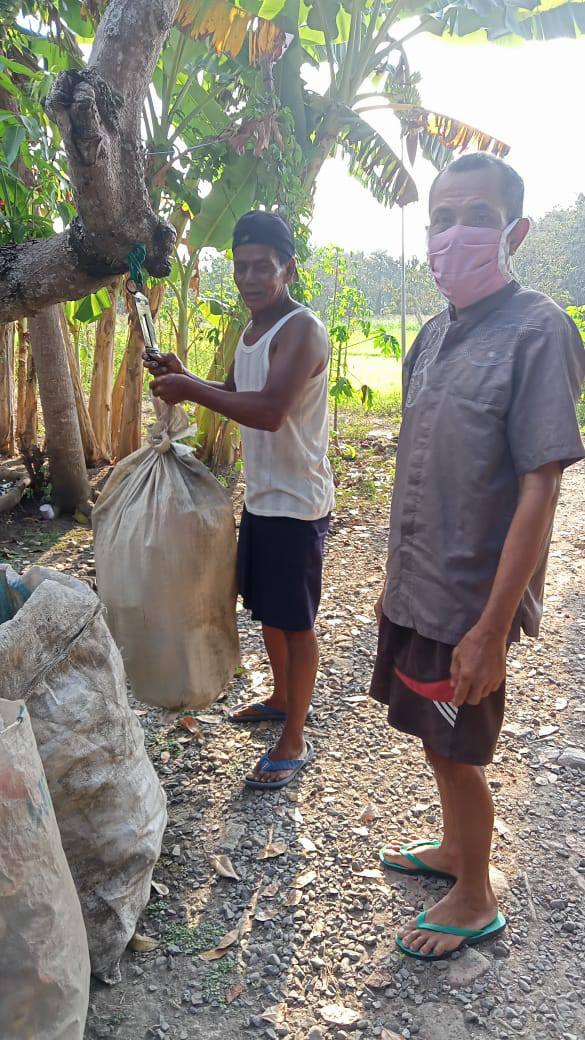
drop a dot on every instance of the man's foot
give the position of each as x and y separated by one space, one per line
433 856
455 910
259 711
269 710
281 752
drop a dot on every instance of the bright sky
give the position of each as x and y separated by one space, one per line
527 96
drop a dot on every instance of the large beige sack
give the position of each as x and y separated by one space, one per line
58 656
165 550
44 960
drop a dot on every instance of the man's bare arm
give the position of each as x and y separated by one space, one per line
479 661
301 352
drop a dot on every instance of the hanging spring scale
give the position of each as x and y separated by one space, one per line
143 311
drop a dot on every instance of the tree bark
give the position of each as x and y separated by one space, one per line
117 402
7 389
102 378
131 420
90 448
26 400
63 438
98 112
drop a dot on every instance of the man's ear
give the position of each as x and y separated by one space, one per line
292 275
518 234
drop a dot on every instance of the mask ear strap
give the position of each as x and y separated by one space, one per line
505 261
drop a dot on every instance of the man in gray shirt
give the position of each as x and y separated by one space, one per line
489 423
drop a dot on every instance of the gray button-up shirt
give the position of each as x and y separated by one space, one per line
486 399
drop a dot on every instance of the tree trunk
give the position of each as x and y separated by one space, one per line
63 438
100 398
117 403
98 111
131 421
90 448
6 389
26 406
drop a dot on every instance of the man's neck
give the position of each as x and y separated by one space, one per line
265 318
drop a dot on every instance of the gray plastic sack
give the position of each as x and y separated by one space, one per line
58 656
165 552
44 960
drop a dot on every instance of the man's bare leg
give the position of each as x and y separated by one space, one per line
441 857
303 661
471 902
277 649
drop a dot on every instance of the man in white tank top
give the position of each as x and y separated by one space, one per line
277 390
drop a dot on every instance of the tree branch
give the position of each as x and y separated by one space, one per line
98 111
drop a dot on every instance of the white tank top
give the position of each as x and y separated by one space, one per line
287 471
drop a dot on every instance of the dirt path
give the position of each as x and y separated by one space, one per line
328 939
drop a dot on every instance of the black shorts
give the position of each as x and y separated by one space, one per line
280 565
412 676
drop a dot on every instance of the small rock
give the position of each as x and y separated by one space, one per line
499 882
315 1033
501 951
573 758
467 968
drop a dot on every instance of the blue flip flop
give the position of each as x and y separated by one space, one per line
418 868
267 765
470 936
265 713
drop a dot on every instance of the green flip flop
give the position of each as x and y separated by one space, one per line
418 867
470 936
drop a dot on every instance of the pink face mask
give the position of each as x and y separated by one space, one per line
470 263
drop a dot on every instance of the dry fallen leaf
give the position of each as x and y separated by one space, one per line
337 1015
388 1034
265 915
211 720
369 813
233 993
369 874
142 943
223 866
307 844
192 726
275 1014
380 978
222 947
296 815
245 925
294 898
159 888
139 712
271 890
304 879
274 848
165 757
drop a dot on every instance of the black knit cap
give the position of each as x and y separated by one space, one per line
266 229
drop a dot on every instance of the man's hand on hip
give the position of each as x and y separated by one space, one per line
478 665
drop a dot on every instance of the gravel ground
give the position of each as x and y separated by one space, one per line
312 914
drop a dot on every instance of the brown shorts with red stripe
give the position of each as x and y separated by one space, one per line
411 676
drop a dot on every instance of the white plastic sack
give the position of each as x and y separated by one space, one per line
57 654
44 960
165 551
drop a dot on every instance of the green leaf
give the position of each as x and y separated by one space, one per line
341 388
12 141
91 307
32 128
229 198
373 162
